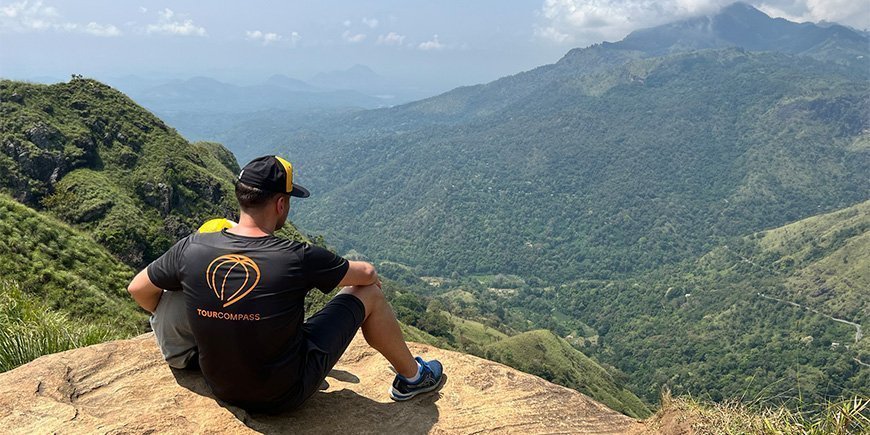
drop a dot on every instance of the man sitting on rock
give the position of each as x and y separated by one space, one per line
243 302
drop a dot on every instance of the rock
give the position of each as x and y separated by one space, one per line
45 137
158 195
125 387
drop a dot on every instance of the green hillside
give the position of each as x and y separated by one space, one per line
825 259
726 325
65 269
92 157
550 357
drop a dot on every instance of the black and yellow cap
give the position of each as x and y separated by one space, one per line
273 174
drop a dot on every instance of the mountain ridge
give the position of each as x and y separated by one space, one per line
742 25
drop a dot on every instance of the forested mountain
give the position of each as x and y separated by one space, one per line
741 25
92 157
610 172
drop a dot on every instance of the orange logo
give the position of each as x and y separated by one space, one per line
219 270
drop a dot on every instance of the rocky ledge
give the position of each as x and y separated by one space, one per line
125 387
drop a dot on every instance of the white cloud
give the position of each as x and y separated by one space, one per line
353 37
589 21
371 22
143 9
166 14
552 34
267 38
101 30
849 12
264 37
391 38
167 26
433 44
28 16
345 23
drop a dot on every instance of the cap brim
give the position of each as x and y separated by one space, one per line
300 191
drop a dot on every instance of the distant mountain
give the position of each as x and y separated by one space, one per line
288 83
204 94
355 77
741 25
202 108
363 79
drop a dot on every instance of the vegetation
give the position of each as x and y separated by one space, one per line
65 269
550 357
845 417
710 327
88 154
30 329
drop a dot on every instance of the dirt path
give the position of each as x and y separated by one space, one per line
858 332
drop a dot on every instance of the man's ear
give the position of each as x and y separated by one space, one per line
282 204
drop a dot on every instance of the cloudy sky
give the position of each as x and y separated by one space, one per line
439 43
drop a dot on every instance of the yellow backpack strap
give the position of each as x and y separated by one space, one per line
216 225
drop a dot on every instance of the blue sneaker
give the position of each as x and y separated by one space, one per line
430 379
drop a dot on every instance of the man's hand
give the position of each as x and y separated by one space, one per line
144 292
360 273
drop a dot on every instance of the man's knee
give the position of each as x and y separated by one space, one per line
371 296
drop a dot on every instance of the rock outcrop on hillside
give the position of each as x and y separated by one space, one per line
125 387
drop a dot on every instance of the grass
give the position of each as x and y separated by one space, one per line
682 414
544 354
29 329
65 268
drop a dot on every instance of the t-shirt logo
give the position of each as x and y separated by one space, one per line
224 277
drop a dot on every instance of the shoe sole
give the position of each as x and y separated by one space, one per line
399 397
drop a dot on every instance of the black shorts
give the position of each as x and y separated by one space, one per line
327 333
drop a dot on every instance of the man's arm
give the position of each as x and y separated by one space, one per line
144 292
360 273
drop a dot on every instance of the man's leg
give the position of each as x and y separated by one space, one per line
381 329
172 330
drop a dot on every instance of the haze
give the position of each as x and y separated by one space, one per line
431 45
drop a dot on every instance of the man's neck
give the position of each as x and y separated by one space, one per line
249 227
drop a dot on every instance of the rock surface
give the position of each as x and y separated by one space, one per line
125 387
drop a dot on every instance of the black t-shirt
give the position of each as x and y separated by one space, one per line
245 301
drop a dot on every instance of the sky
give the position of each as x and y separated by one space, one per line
440 44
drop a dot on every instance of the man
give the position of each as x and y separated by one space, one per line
243 296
